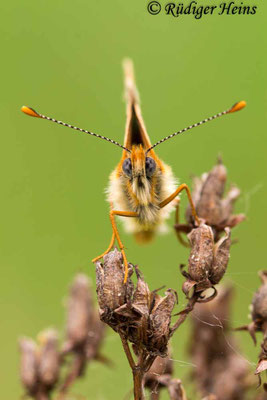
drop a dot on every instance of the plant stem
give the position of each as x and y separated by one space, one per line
127 351
77 369
154 395
144 363
42 395
138 375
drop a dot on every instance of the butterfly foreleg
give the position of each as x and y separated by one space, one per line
176 224
115 234
175 194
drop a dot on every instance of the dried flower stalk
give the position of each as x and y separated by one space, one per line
139 316
208 260
220 370
211 206
259 321
84 331
142 317
42 362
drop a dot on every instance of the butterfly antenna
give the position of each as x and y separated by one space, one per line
31 112
236 107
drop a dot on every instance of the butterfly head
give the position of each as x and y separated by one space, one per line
138 170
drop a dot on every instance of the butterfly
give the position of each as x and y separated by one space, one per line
142 189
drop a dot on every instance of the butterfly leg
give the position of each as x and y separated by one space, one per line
175 194
177 221
115 234
108 249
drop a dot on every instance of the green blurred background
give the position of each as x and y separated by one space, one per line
64 59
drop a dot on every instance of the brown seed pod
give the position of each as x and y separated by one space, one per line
207 261
159 322
259 322
259 302
221 257
48 366
111 290
142 297
201 255
80 310
28 364
211 206
95 337
139 315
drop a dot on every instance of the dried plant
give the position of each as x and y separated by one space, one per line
42 362
139 316
143 318
208 260
161 369
259 322
84 331
160 376
211 206
220 369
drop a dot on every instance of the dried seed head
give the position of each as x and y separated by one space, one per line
151 328
259 316
259 302
41 363
142 298
262 364
137 310
228 202
48 366
201 255
221 257
80 311
28 364
259 321
111 290
159 323
207 261
219 369
210 205
95 338
141 316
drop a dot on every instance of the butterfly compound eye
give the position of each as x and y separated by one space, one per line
127 167
150 166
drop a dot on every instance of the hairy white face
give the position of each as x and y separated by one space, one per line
139 170
142 189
